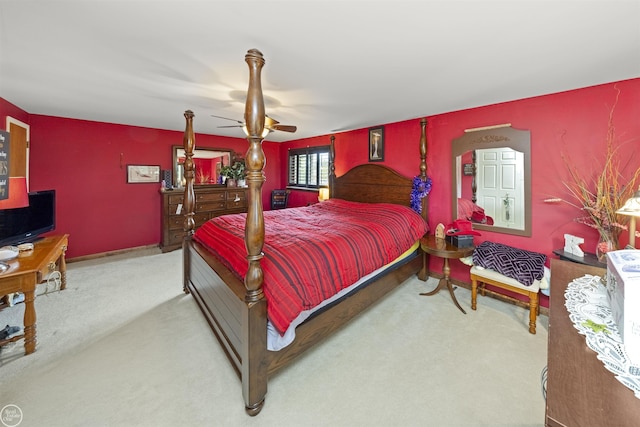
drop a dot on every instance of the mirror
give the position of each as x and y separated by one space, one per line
207 164
492 179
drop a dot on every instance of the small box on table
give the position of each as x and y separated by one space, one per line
623 291
461 240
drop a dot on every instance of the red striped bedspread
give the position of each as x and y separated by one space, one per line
312 252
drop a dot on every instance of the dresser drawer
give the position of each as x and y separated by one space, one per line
236 204
210 206
236 195
210 197
176 222
175 237
175 199
201 218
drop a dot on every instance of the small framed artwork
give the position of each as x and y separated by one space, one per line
376 144
139 174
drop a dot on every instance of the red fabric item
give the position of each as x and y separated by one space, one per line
312 252
461 226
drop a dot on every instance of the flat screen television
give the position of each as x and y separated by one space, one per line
26 224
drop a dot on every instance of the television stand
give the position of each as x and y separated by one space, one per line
26 272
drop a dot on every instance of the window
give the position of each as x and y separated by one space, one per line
309 167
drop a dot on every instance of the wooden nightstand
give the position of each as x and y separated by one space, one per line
26 272
431 245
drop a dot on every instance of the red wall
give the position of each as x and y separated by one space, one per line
85 162
82 161
573 123
8 109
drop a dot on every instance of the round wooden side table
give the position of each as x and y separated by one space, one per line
432 245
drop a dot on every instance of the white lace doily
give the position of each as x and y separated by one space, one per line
588 306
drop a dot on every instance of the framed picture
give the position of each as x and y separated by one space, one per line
137 174
376 144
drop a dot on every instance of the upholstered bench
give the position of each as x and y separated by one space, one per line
487 276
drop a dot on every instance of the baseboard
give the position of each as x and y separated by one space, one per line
128 251
493 294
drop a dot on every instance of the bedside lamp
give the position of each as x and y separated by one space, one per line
18 197
632 209
323 194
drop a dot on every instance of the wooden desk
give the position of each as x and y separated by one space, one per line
24 274
580 390
443 249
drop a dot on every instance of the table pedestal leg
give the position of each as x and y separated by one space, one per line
445 282
424 271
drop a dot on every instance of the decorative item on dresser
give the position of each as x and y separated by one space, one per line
235 304
211 201
580 390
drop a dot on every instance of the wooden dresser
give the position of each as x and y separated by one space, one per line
580 390
210 202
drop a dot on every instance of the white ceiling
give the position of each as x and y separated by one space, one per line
330 65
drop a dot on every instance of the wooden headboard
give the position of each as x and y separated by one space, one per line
375 183
372 183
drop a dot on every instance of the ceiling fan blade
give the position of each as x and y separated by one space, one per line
226 118
269 122
284 128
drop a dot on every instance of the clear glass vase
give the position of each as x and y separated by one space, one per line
607 242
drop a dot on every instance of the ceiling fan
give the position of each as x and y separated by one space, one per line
269 123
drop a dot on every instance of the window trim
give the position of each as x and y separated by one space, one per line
318 149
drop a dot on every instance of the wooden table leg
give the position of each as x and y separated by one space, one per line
62 268
445 282
441 284
29 322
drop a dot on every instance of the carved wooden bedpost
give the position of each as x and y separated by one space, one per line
254 231
254 372
188 203
423 161
332 164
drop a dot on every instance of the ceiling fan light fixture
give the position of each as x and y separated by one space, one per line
265 131
270 125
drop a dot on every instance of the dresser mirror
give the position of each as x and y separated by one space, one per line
207 164
492 179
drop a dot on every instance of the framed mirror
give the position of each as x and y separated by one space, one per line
492 179
207 164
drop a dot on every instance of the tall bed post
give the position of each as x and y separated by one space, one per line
423 162
332 165
254 231
254 344
188 203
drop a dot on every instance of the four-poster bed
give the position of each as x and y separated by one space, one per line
235 305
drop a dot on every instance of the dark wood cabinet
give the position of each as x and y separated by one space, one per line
580 390
209 203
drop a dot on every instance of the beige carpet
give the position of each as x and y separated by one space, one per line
123 346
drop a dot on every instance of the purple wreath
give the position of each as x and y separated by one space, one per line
419 191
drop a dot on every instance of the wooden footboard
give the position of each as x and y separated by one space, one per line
236 309
241 326
337 316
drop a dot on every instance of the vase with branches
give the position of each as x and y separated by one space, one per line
600 195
